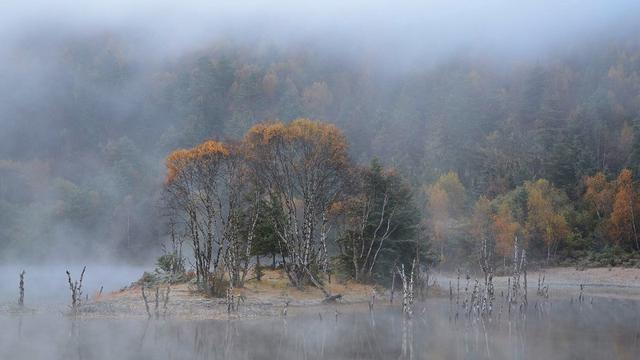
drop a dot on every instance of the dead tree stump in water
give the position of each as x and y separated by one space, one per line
407 290
76 290
21 287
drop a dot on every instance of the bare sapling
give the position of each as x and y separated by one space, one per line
76 290
21 287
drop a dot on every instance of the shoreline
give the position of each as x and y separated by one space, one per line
269 297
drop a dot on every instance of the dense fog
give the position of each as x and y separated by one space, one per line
94 96
460 138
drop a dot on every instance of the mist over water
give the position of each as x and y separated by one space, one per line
47 285
564 330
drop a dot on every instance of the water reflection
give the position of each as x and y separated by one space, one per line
559 330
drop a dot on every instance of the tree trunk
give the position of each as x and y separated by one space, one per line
258 270
548 254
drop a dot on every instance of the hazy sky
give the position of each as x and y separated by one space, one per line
411 27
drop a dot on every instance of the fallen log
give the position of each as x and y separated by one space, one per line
332 298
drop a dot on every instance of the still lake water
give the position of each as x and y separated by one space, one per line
561 329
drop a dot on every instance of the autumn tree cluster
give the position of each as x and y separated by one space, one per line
291 190
612 208
540 216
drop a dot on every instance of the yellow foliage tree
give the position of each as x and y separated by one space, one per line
505 229
623 220
599 193
544 217
445 204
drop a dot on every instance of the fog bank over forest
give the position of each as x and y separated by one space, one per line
94 96
412 31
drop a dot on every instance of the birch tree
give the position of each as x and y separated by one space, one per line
379 223
210 189
301 166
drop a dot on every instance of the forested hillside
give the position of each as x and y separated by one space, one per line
532 146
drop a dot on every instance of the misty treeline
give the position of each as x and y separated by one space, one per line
600 226
297 181
89 119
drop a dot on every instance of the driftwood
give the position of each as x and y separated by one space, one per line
332 298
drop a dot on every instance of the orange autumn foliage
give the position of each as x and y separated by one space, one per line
180 159
505 229
543 216
599 193
325 138
623 220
